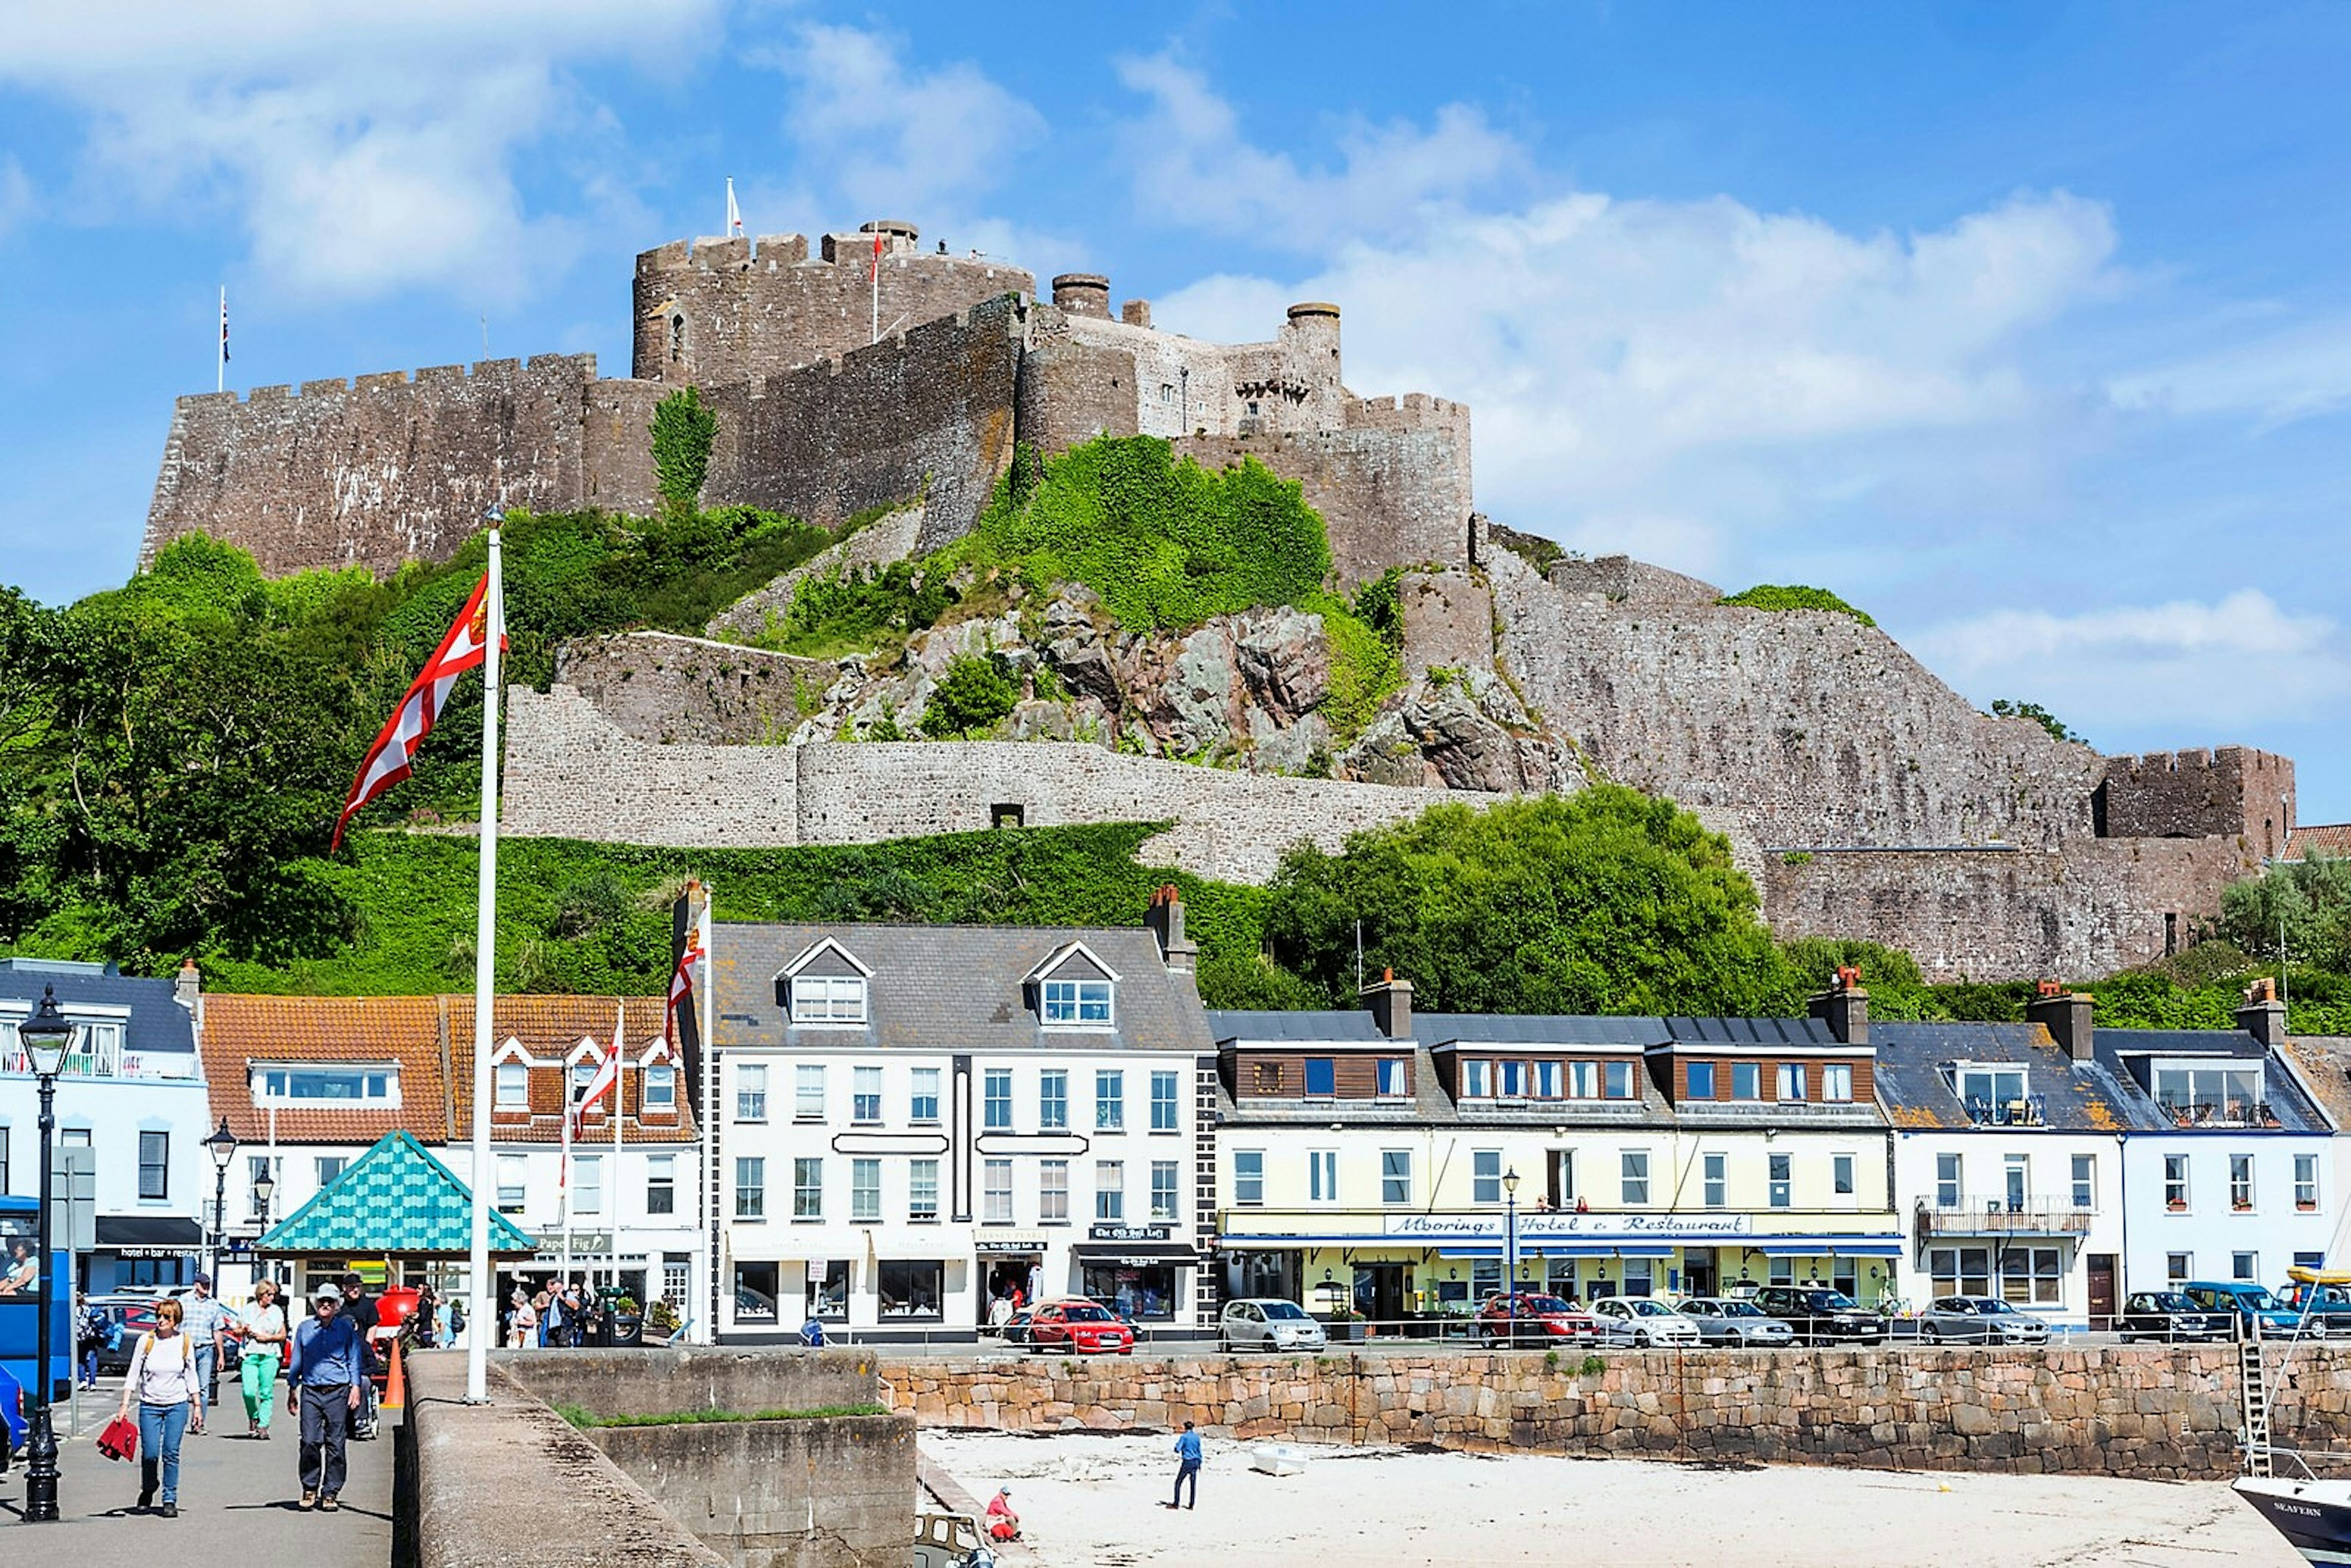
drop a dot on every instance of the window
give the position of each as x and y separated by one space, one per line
808 1091
1583 1081
1110 1100
1699 1077
1053 1191
514 1183
660 1088
995 1192
912 1288
865 1094
2244 1266
828 1291
1167 1114
587 1184
1792 1080
1486 1175
2175 1183
1781 1186
836 1000
1620 1081
808 1188
1476 1081
513 1086
2241 1183
1947 1183
155 1165
329 1167
256 1167
922 1104
1836 1082
1549 1080
1322 1078
2305 1183
1395 1176
2203 1093
300 1084
1249 1177
1391 1077
755 1292
1077 1002
1513 1083
2016 1176
1053 1099
1634 1175
1561 1176
4 1168
923 1190
1960 1270
750 1092
1265 1078
1985 1091
1841 1182
1746 1080
1715 1176
751 1187
1110 1189
581 1074
1639 1277
2085 1182
865 1191
996 1099
661 1184
1164 1175
1323 1175
2179 1268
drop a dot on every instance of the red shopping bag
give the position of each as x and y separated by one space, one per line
121 1439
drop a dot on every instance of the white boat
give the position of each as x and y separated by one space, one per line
2314 1516
1279 1459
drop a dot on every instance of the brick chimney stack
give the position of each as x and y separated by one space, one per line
2066 1016
1390 1001
2262 1016
1165 921
188 985
1844 1007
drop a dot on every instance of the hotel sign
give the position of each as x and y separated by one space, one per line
1601 1229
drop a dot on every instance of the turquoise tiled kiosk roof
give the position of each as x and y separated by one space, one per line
395 1199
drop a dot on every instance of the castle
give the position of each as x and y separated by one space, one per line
1864 796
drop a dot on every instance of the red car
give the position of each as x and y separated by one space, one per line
1083 1327
1535 1319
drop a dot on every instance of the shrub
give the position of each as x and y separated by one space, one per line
1780 596
972 697
683 432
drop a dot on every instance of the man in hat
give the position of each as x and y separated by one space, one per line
205 1321
1003 1524
360 1311
323 1384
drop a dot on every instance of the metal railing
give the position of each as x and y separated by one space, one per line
2034 1214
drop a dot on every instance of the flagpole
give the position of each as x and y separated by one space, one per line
220 349
620 1101
563 1180
483 1321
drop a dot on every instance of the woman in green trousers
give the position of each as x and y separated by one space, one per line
265 1350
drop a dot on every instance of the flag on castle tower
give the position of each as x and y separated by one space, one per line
388 760
734 214
224 326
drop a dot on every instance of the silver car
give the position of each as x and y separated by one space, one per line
1643 1321
1722 1319
1266 1323
1986 1319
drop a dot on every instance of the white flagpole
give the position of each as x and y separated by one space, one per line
482 1322
734 214
563 1182
220 349
612 1183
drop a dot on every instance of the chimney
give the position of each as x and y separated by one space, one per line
2262 1016
1390 1001
1165 921
2066 1016
188 985
1083 294
1844 1007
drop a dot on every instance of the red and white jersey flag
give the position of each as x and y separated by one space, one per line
607 1079
681 986
389 759
877 256
734 213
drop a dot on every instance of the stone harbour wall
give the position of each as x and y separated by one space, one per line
2149 1413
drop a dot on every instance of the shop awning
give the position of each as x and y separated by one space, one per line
148 1235
1828 1246
1551 1249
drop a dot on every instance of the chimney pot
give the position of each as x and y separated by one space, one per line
1390 1001
1844 1007
2067 1018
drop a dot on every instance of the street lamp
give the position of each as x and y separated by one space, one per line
264 1187
222 1146
45 1037
1511 1235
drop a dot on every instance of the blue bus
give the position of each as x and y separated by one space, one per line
24 1294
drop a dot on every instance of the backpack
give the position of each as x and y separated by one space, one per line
456 1318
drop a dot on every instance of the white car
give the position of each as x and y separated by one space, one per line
1644 1321
1267 1322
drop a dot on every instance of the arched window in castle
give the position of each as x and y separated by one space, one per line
677 339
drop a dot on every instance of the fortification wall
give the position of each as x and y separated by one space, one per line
879 543
717 311
1623 581
660 687
2234 791
571 773
1386 495
377 471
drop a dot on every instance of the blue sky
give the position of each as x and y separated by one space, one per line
2023 326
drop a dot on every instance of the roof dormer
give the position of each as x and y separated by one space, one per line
1073 989
827 987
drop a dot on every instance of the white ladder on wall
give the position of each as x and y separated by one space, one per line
2253 1388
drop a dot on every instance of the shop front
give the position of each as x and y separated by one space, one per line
1140 1272
1009 1266
151 1252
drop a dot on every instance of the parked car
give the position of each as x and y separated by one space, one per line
2171 1317
1723 1320
1901 1320
127 1317
2248 1303
1016 1327
1820 1316
1644 1321
1080 1327
1265 1322
1986 1319
2329 1306
1532 1318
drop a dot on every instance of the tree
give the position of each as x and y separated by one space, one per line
683 432
971 696
1606 901
2305 903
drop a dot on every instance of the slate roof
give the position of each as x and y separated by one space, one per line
157 1022
1345 1026
2326 1064
239 1031
2076 1097
1796 1033
395 1199
1539 1028
950 988
2285 1098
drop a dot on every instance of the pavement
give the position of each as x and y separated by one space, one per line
237 1499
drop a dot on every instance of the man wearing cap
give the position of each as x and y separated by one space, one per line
1003 1524
203 1320
361 1312
323 1384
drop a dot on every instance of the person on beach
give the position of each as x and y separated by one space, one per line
1187 1467
265 1351
323 1386
162 1380
1003 1524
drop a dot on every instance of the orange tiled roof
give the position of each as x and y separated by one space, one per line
238 1030
549 1028
2332 839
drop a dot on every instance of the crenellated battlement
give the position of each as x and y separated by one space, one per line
2233 791
580 368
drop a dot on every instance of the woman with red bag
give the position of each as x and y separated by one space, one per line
163 1378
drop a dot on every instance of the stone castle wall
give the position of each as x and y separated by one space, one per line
2149 1413
2234 791
660 687
879 542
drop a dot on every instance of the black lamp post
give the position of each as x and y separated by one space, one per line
1510 1237
222 1146
46 1037
264 1187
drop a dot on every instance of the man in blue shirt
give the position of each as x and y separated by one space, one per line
324 1378
206 1321
1187 1467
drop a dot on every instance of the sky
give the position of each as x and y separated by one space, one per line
2022 325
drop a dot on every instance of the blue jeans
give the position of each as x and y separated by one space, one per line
159 1428
204 1374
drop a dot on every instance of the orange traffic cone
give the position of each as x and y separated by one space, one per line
396 1388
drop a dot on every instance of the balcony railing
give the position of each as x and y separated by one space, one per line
2029 1112
2037 1214
2223 1114
102 1059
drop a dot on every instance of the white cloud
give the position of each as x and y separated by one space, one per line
2236 661
2276 378
362 148
16 198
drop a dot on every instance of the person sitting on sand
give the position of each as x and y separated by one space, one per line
1003 1524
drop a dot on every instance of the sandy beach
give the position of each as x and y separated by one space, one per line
1088 1499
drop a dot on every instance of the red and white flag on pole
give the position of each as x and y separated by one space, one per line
388 760
607 1078
877 256
734 213
681 986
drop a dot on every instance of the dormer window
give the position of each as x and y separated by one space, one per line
2210 1092
839 999
513 1092
660 1088
1995 1096
1077 1001
338 1085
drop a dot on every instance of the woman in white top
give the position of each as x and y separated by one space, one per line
163 1378
264 1322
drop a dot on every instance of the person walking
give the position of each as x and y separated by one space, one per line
525 1331
206 1326
265 1351
361 1308
323 1384
1187 1467
89 1338
163 1381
